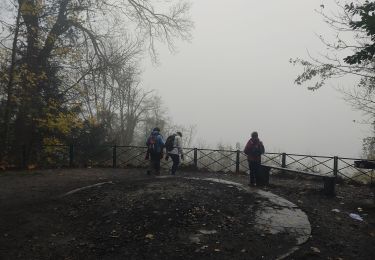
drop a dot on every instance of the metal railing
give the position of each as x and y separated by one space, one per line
226 161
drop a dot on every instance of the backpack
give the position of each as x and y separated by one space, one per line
169 143
152 144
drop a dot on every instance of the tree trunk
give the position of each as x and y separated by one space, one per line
4 139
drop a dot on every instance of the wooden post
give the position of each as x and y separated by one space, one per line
238 161
196 158
329 186
335 165
283 160
71 156
114 157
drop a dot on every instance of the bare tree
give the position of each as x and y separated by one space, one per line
52 36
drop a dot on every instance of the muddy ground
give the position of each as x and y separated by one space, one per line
104 222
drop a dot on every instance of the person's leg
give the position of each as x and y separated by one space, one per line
153 163
252 172
256 169
150 166
176 162
157 164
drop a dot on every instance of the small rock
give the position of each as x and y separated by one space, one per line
149 236
315 250
207 232
195 238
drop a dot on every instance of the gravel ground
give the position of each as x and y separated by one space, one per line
97 223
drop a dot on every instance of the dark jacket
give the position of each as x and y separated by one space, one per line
253 142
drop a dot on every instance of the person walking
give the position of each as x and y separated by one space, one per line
174 150
254 150
155 146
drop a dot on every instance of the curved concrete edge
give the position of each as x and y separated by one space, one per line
85 188
280 215
277 215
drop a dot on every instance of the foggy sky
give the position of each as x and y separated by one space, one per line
235 77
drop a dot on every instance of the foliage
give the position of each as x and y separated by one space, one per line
366 23
347 56
66 63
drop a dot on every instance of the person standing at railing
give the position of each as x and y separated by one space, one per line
254 150
174 149
155 146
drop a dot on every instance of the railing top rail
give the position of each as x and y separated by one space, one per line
211 150
216 150
355 159
309 155
55 145
130 146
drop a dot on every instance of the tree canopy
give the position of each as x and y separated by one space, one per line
71 64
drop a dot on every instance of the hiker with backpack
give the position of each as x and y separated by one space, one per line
155 146
173 145
254 150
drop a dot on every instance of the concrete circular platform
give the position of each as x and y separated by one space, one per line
191 218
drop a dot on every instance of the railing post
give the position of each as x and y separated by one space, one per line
114 157
238 161
283 160
335 165
71 156
196 158
24 163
